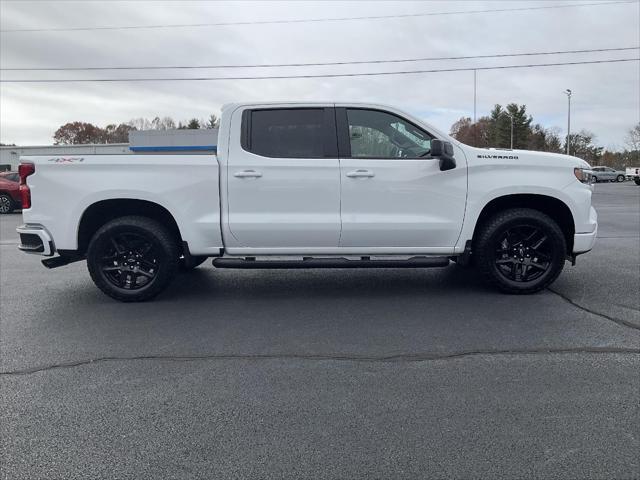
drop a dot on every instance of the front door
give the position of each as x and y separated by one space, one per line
283 180
394 195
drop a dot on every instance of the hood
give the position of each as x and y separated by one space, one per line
496 155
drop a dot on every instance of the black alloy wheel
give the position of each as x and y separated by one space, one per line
520 250
130 261
133 258
523 254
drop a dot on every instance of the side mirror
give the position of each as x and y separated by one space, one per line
444 151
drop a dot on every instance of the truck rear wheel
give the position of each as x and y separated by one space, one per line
132 258
520 250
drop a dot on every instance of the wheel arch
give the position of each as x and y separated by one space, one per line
99 213
555 208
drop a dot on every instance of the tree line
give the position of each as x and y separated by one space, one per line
494 130
74 133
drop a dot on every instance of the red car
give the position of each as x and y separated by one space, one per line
9 192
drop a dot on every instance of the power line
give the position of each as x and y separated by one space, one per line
328 75
361 62
315 20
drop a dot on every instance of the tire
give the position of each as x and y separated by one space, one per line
145 251
7 205
637 180
516 259
595 179
620 178
189 264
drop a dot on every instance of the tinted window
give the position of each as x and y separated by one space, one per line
287 133
13 177
376 134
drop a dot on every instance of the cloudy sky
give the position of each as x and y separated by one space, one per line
606 97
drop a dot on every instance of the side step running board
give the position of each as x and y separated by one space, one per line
414 262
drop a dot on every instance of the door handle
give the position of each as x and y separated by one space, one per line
361 173
247 174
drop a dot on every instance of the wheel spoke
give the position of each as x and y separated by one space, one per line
119 248
147 263
541 256
539 265
145 273
539 242
120 280
112 268
503 261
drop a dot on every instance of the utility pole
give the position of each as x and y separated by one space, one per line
475 98
511 118
567 92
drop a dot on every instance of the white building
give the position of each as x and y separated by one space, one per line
144 141
11 155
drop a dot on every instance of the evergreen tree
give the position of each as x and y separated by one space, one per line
500 128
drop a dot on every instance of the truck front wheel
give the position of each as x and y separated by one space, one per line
132 258
520 250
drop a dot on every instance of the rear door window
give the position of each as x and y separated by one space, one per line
290 133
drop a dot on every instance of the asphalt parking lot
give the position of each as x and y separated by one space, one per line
326 374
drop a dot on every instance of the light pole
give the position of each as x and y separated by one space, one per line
511 117
567 92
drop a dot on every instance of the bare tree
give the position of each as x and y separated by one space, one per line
633 138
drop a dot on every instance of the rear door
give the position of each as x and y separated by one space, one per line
283 179
394 195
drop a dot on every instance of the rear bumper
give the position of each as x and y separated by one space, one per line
35 239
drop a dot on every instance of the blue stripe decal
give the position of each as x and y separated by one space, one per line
176 148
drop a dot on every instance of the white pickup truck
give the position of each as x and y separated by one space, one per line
310 185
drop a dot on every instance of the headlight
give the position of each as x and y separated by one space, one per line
583 175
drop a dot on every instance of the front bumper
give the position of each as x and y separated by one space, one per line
35 239
583 242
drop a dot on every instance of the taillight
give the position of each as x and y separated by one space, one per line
24 170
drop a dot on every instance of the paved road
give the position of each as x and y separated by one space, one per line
326 374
